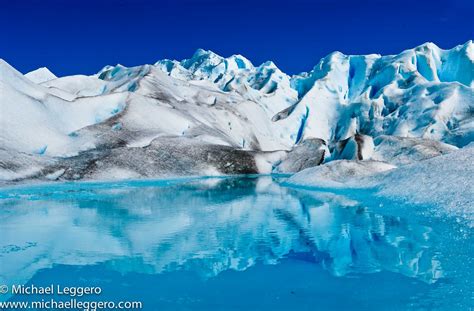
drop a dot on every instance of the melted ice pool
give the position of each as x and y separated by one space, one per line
243 243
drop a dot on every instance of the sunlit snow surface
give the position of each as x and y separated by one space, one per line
444 182
422 92
235 244
141 122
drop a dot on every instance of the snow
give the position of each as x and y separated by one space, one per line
344 100
40 75
33 118
9 175
55 175
393 95
266 161
404 150
116 173
78 85
418 93
338 174
444 181
17 165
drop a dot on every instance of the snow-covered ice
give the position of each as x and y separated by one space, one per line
40 75
396 108
338 174
404 150
445 181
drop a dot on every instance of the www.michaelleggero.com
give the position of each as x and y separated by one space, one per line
72 304
60 298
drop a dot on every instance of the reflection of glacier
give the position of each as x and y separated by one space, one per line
206 227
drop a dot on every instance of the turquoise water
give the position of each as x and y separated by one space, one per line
243 243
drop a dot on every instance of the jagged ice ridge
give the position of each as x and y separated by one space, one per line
211 115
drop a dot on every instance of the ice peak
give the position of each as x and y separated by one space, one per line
201 57
241 61
201 52
336 54
41 75
469 49
427 48
268 64
8 72
4 65
428 44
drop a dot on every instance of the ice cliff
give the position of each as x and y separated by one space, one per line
210 115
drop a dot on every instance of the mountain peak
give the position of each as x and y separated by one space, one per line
202 52
41 75
10 75
4 66
200 57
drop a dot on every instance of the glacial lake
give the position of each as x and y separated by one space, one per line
237 243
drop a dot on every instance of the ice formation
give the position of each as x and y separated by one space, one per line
40 75
444 182
237 117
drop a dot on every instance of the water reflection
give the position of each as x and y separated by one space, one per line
206 227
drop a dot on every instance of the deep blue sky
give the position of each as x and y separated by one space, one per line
81 36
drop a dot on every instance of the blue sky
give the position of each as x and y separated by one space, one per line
75 36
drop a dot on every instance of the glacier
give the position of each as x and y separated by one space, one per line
361 166
443 182
214 115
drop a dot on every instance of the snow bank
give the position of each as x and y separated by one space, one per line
445 181
40 75
406 150
337 174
